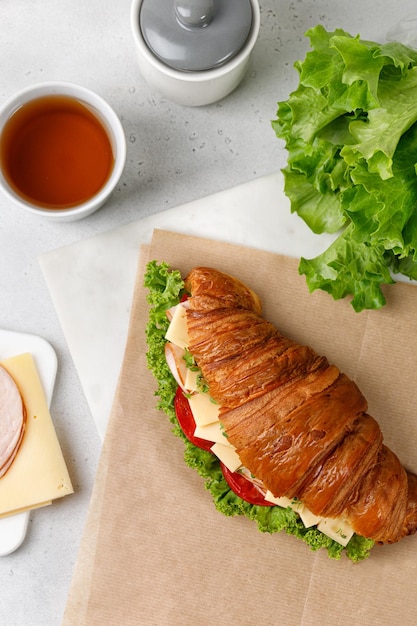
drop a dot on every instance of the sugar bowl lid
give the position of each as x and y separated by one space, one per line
195 35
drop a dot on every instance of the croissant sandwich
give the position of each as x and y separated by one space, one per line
278 432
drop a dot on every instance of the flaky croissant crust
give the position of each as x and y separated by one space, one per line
298 423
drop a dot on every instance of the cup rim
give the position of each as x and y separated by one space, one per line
107 115
199 76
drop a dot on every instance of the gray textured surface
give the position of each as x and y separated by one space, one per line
174 155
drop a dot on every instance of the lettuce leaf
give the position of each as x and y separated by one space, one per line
350 130
165 289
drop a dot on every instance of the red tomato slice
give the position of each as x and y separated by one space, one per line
240 485
186 420
243 488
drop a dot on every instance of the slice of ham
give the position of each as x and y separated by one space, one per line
175 361
12 420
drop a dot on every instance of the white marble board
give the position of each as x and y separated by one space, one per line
91 281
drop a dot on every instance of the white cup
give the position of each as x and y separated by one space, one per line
111 124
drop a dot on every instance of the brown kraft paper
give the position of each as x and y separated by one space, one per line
155 551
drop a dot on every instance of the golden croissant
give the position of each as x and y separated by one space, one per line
297 423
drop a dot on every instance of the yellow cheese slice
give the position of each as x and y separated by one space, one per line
307 517
212 432
38 473
337 529
227 455
177 332
203 409
26 508
283 501
190 382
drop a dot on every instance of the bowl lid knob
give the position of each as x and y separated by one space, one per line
194 13
195 35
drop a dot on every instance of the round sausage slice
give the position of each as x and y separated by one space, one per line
12 420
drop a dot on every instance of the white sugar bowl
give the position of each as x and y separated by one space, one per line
194 52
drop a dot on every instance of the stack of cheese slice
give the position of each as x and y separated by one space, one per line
34 471
208 427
